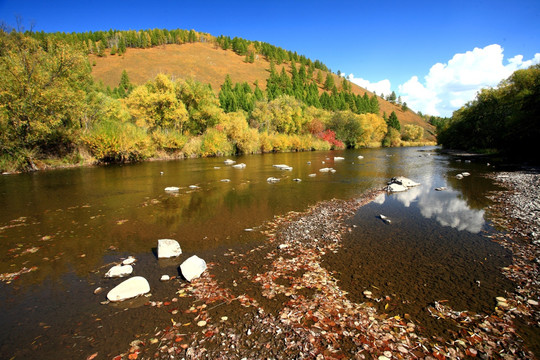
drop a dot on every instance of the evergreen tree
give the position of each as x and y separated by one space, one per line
329 82
393 121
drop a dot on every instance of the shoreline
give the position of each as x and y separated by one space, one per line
278 301
91 162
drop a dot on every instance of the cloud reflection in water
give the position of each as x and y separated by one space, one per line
444 206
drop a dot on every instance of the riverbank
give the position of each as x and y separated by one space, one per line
280 300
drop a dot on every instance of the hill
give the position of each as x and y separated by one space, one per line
208 63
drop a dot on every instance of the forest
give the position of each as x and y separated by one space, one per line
52 113
504 120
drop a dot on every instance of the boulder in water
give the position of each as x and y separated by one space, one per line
168 248
193 267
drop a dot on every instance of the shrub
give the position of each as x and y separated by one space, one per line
215 143
113 141
193 147
168 140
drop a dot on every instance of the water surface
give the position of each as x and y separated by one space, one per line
71 223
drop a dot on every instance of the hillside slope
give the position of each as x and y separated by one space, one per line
209 64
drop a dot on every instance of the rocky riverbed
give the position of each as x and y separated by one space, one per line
278 300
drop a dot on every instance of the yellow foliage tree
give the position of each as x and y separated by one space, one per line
412 132
156 106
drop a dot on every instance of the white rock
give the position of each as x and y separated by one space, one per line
325 170
225 180
119 271
130 260
397 188
128 289
193 187
229 162
239 166
217 167
193 267
283 246
297 180
532 302
442 188
165 278
338 158
465 173
385 219
368 294
405 181
172 188
312 175
332 170
168 248
272 179
283 167
360 157
459 176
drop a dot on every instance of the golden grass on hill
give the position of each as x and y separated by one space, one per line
209 64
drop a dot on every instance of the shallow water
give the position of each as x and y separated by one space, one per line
71 223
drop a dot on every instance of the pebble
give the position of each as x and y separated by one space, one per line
165 278
201 323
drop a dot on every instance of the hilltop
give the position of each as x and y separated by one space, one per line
208 63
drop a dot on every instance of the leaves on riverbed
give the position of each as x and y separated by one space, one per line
314 318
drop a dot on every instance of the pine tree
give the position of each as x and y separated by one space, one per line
329 82
393 121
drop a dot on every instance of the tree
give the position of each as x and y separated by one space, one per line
156 105
42 95
393 121
329 82
392 97
412 132
125 85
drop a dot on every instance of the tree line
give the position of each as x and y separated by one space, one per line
52 112
505 119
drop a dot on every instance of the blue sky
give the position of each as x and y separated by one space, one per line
435 54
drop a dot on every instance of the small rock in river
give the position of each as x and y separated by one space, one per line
201 323
368 294
532 302
165 278
193 267
119 271
168 248
128 289
130 260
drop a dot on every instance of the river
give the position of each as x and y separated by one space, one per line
63 228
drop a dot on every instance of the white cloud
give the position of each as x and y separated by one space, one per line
379 87
449 86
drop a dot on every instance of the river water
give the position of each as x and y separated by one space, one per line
66 226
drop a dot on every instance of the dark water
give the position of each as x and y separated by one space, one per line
71 223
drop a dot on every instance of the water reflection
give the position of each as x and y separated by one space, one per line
444 206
